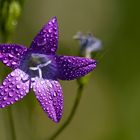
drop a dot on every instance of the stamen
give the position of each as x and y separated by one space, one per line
39 68
40 73
45 64
33 68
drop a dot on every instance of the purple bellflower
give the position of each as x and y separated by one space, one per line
39 68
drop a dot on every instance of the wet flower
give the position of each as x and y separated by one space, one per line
88 44
39 68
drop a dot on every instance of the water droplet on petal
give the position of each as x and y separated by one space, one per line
5 61
8 103
5 98
16 98
21 93
54 94
27 90
50 97
11 56
18 86
42 82
4 83
2 93
47 108
41 41
6 89
12 102
53 21
19 96
11 94
50 30
12 74
53 49
14 63
3 105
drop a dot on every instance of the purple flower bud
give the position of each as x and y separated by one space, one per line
88 44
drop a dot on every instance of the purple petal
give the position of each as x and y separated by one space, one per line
50 97
46 41
71 67
11 54
13 88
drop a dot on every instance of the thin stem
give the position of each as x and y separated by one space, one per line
13 133
72 113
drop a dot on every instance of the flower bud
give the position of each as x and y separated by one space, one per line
13 15
88 44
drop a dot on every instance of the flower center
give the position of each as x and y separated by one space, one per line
37 62
39 65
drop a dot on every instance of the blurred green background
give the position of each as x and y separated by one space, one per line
109 109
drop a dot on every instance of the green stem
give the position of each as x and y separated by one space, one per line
72 113
12 127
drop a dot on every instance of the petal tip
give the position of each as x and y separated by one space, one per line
53 20
94 62
92 65
57 120
55 117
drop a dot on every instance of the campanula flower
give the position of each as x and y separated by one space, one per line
88 44
39 68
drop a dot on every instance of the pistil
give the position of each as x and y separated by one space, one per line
39 68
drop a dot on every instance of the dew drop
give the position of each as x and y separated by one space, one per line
50 97
4 83
50 30
5 98
53 21
49 102
14 63
54 94
18 86
16 98
12 74
49 23
47 108
2 93
11 94
8 103
53 49
5 61
42 82
21 93
6 89
12 102
3 105
27 90
11 56
19 96
50 85
41 41
47 35
39 91
37 96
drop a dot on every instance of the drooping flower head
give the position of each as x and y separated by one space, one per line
39 68
88 44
